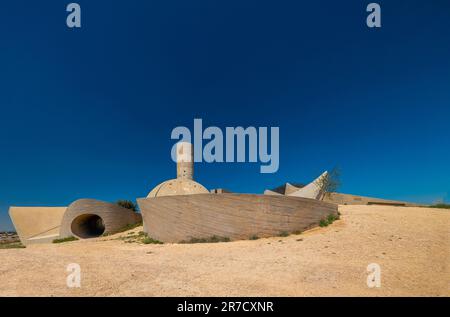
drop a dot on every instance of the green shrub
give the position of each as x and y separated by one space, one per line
323 223
131 226
128 204
148 240
443 206
254 237
195 240
213 239
331 218
140 237
12 245
328 220
68 239
283 234
123 229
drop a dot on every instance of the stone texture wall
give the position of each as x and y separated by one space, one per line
234 216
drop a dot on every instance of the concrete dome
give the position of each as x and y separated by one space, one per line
177 186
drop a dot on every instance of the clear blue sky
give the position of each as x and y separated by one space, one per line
88 113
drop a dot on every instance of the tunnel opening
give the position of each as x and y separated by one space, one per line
88 226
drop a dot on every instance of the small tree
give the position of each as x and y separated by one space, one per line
127 204
329 183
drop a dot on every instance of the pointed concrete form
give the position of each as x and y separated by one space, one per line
289 189
312 190
271 192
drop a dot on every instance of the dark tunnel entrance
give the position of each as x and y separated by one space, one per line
88 226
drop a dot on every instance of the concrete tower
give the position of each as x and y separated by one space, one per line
185 160
184 184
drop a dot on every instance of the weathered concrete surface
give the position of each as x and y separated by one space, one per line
289 189
312 190
185 160
184 184
178 186
37 224
271 192
234 216
113 216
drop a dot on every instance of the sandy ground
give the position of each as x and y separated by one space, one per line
411 245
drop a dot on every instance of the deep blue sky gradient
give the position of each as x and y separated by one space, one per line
88 113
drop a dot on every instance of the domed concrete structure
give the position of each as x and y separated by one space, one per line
177 186
184 183
181 209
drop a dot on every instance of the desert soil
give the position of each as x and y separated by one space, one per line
411 245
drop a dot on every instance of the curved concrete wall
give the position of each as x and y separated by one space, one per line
235 216
37 224
114 217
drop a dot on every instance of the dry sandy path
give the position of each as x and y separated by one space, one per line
412 246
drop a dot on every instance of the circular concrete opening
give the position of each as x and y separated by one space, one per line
88 226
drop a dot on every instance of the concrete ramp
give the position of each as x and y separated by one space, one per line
37 224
